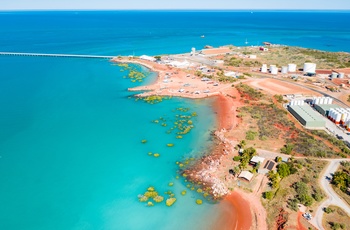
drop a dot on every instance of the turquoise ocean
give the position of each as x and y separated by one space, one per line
71 155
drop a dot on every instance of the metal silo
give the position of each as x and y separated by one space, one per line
317 101
292 67
264 68
321 100
341 75
344 116
309 68
338 118
284 70
326 101
330 113
330 100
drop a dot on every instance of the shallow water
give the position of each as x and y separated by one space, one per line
71 155
71 151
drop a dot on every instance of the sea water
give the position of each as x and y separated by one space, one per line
71 151
71 155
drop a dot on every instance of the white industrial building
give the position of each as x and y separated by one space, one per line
147 58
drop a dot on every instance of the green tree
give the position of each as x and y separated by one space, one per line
279 98
158 57
278 159
268 195
342 180
283 170
287 148
250 135
242 144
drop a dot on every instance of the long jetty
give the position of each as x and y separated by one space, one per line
56 55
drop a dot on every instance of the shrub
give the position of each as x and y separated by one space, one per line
328 210
237 158
250 135
268 195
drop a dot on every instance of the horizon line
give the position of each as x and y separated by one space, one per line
281 9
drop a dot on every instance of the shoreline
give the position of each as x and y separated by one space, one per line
240 215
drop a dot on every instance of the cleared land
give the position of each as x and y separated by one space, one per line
283 55
336 219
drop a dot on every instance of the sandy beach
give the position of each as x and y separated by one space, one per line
241 210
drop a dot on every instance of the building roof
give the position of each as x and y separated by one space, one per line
269 165
310 116
257 159
284 158
146 57
246 175
328 106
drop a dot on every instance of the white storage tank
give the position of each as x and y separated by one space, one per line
317 101
334 75
193 51
292 67
321 100
330 100
347 125
313 100
333 115
344 116
330 113
338 118
309 68
284 70
274 70
264 68
341 75
302 102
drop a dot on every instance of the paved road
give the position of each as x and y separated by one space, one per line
333 198
310 88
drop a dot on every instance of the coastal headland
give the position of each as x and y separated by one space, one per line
211 76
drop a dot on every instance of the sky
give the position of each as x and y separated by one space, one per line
173 4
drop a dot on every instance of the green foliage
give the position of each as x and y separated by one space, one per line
249 92
274 179
268 195
303 193
293 204
287 148
283 170
269 117
248 153
337 226
278 159
341 179
242 143
328 210
237 158
279 98
334 141
317 195
250 135
143 141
